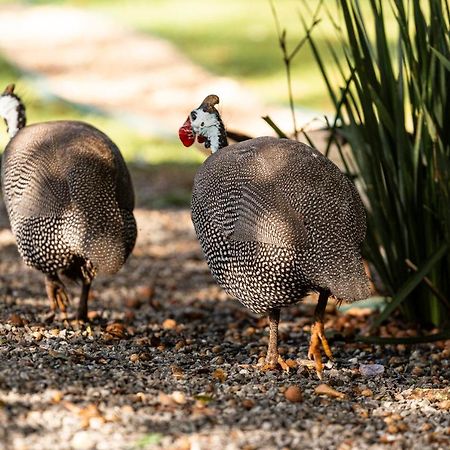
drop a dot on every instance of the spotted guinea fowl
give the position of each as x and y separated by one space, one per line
69 198
276 220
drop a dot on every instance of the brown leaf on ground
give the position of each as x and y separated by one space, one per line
117 330
220 375
324 389
16 320
177 372
438 394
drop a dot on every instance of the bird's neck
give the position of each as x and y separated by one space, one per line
13 112
219 139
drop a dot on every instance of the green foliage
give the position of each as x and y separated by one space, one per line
393 106
148 440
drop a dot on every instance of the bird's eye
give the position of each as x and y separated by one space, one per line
193 115
202 124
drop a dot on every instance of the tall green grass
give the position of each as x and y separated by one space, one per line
392 106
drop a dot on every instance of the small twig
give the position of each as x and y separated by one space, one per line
431 286
288 57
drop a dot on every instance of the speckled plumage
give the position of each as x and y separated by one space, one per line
68 193
276 219
69 198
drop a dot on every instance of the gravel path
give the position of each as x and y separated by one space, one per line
168 361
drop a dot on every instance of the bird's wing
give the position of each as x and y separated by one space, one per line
35 187
266 216
265 213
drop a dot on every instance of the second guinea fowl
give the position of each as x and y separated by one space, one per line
69 198
276 221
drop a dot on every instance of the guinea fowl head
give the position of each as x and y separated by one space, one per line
12 110
205 124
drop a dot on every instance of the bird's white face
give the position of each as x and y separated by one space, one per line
9 111
203 123
205 126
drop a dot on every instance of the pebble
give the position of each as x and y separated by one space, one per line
248 403
293 394
169 324
134 357
179 397
371 370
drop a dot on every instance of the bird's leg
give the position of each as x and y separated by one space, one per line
273 358
56 292
83 304
318 338
87 272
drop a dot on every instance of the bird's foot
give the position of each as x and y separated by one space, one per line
56 293
273 362
318 340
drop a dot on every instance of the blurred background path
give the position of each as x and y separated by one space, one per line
88 59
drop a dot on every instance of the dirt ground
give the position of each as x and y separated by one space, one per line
169 361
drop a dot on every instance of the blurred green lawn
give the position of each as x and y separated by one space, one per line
135 147
235 38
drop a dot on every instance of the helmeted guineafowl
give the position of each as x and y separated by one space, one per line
69 198
276 220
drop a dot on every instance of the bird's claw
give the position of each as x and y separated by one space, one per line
272 362
318 340
57 295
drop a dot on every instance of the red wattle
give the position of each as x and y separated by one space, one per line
201 139
185 133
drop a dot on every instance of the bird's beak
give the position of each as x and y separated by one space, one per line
186 134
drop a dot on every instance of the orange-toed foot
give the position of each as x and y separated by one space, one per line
318 339
56 293
273 361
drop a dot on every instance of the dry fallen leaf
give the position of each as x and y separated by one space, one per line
117 330
432 394
177 372
445 405
90 414
291 363
324 389
367 393
57 396
220 375
16 320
